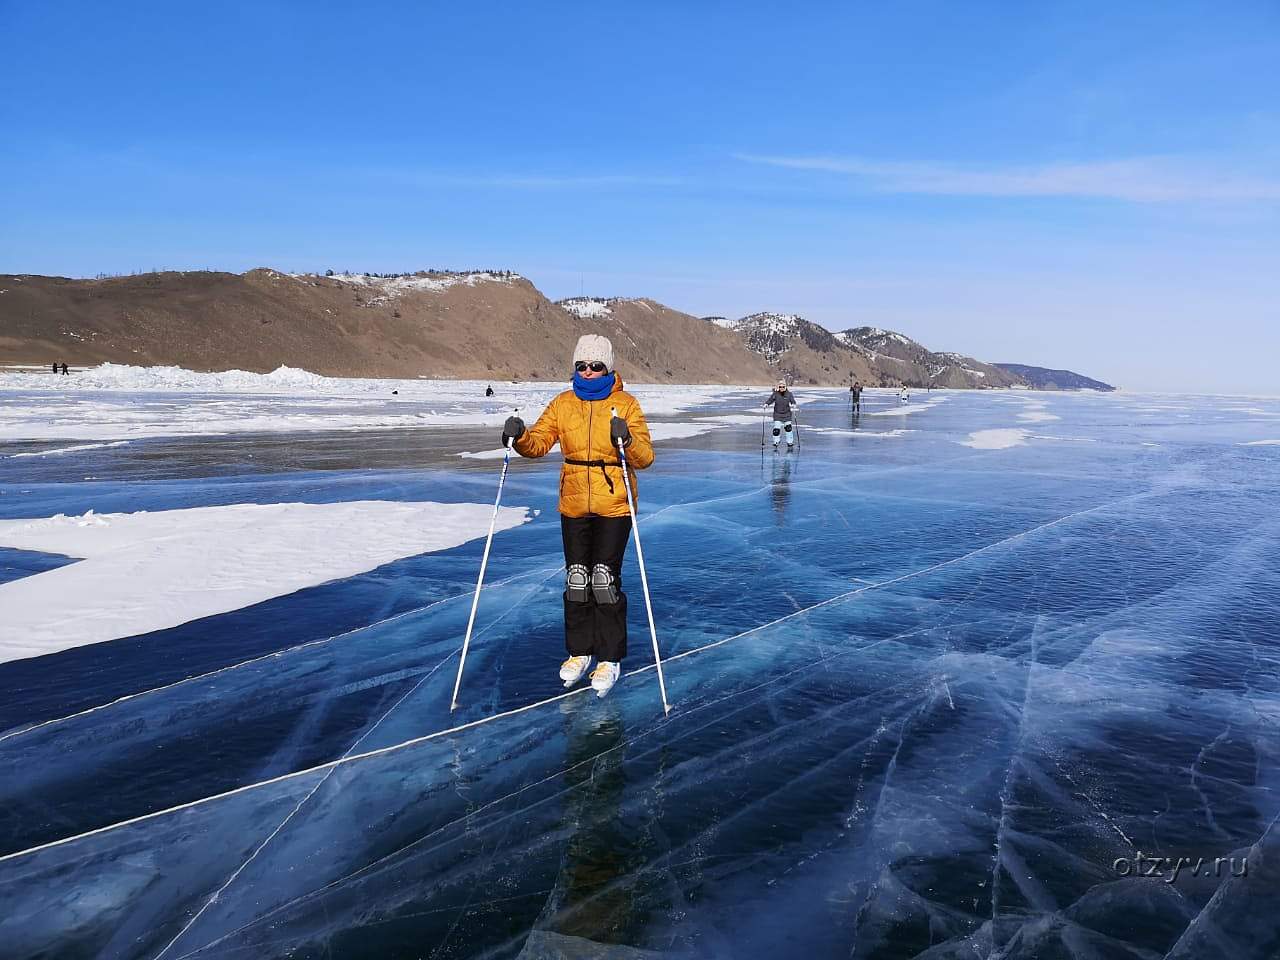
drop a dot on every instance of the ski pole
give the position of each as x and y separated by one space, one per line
484 562
763 418
644 578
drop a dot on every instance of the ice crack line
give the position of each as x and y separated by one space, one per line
285 822
322 781
364 870
414 741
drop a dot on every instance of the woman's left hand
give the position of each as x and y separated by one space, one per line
619 431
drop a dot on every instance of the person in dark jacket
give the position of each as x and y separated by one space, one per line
784 402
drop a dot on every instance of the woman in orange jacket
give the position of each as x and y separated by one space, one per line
595 523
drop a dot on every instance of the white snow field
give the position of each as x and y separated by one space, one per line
115 402
143 571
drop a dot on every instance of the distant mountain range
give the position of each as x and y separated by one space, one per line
806 352
1042 378
479 324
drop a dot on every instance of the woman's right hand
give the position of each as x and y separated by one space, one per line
513 429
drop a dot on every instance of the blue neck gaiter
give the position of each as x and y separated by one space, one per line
596 388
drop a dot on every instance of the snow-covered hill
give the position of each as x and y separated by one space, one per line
899 359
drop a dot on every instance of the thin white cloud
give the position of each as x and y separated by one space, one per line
1138 180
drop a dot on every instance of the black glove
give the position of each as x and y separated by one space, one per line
618 430
513 429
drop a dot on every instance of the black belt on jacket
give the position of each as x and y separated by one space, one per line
597 463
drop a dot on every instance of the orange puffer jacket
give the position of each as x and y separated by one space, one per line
581 427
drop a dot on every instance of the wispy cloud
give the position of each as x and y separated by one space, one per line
1137 180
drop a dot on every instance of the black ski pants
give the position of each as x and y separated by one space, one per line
591 628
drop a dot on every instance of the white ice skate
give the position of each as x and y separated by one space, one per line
571 670
604 677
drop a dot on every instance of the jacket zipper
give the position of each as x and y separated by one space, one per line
591 411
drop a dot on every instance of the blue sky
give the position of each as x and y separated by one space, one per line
1095 186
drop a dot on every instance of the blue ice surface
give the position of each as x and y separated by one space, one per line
928 701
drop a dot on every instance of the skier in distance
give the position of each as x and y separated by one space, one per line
784 402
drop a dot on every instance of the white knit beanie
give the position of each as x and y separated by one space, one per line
592 347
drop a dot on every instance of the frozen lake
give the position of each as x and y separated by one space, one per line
982 675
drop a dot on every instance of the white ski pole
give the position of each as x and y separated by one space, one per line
644 578
484 562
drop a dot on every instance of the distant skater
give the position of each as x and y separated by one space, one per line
904 394
488 391
595 521
855 396
55 368
784 402
64 370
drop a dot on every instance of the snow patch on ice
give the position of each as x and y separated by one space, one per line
854 434
1000 439
1035 412
737 419
75 449
681 431
906 408
1261 443
143 572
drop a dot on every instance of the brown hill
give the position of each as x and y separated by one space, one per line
806 353
480 324
436 324
675 347
901 360
802 351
